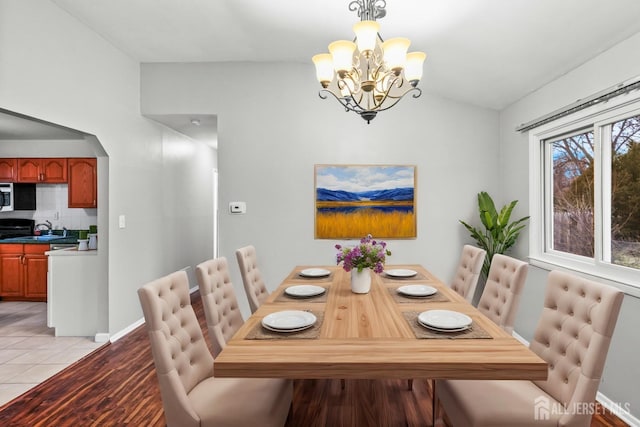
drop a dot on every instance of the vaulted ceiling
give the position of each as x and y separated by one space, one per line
484 52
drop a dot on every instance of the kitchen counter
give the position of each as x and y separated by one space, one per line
71 252
43 239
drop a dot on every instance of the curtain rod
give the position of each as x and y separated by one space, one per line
602 96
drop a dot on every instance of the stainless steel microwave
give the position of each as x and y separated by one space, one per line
6 196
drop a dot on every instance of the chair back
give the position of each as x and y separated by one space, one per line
501 295
469 267
573 337
180 353
254 285
219 301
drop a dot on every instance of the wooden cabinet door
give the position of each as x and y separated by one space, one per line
35 271
29 170
8 170
11 269
83 183
53 170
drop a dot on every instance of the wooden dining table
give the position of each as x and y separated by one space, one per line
373 336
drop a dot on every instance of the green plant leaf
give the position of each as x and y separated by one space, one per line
499 234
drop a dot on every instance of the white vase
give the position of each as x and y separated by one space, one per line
360 281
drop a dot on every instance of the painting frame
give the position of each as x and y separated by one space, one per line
353 200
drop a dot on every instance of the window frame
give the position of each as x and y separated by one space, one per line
598 118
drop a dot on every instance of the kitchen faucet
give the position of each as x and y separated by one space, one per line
47 226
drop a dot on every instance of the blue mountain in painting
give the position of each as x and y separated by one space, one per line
395 194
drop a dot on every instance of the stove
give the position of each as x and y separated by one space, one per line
16 227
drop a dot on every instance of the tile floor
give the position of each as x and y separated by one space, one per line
29 352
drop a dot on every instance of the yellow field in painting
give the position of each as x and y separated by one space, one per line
336 225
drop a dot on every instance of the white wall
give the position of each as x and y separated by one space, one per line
55 69
273 128
609 68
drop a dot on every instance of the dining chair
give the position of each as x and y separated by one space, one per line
466 277
191 396
572 336
254 285
219 301
501 295
465 280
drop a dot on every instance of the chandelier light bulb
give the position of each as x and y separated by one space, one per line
324 68
395 53
414 66
366 35
342 56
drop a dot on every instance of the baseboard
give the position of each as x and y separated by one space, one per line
618 410
101 337
115 337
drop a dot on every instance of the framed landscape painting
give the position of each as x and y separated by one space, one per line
355 200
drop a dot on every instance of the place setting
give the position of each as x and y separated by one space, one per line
317 274
417 292
288 324
444 324
396 274
307 292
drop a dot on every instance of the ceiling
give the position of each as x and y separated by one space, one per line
489 53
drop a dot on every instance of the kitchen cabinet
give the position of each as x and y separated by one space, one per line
8 170
83 183
52 170
23 272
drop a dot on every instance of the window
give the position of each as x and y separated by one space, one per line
585 192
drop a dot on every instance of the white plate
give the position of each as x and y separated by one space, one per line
304 291
443 330
444 319
417 290
288 320
286 331
315 272
400 272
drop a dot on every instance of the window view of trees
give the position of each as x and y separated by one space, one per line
625 192
573 193
573 230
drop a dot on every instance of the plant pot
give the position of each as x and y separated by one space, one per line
361 281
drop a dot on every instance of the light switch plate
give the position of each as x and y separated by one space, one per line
237 207
122 221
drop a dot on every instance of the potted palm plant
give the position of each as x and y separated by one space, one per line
499 234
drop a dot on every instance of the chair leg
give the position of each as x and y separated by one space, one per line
410 384
435 404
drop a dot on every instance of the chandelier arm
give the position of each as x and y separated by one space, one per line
397 99
347 106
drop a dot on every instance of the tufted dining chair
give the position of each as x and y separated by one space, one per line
465 280
254 285
501 295
191 396
573 337
219 301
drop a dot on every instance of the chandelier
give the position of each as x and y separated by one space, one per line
369 75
